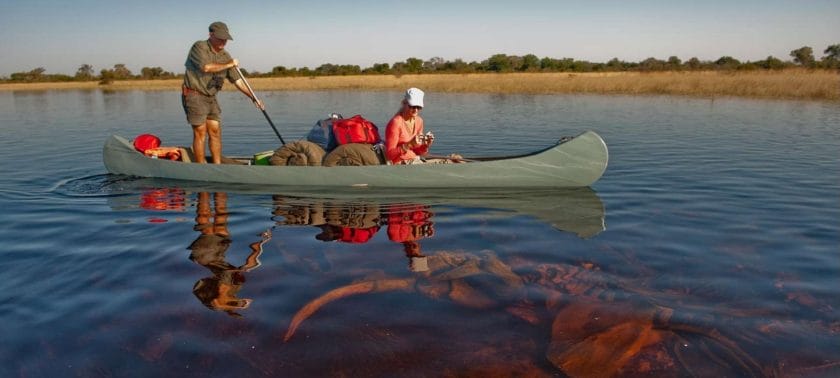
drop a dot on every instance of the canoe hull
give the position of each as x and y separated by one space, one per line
578 162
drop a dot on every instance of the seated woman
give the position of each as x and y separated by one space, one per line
404 139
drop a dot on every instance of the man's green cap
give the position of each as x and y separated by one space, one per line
220 30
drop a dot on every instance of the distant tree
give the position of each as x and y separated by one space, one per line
59 78
652 64
106 77
457 66
121 72
674 63
832 52
499 63
748 66
515 62
84 73
804 56
580 66
330 69
566 64
727 63
530 63
548 64
771 63
693 63
598 67
350 69
378 68
34 75
413 65
152 73
327 69
832 56
398 68
434 64
279 71
615 64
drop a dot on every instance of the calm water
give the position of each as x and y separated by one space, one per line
709 247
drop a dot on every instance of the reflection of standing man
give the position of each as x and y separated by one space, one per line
219 292
208 65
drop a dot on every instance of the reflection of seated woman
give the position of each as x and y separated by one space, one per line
406 225
219 292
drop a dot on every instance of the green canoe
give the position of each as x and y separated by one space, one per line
574 162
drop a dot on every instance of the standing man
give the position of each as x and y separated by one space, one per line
208 65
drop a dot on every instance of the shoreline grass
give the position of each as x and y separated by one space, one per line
797 84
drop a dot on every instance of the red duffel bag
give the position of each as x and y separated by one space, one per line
355 130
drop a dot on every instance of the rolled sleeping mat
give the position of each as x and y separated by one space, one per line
352 154
299 153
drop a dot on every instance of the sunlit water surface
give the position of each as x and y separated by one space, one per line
709 247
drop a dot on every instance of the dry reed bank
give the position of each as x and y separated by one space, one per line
785 84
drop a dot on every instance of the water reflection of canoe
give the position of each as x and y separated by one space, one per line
576 210
577 162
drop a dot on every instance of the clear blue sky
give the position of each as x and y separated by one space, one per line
62 35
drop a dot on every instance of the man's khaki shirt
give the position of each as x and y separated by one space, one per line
208 83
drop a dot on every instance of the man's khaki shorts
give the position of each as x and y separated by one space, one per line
199 108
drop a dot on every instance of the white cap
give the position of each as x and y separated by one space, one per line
414 97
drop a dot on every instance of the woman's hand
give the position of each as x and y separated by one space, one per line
430 138
421 140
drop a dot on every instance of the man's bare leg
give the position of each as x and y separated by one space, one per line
214 131
199 135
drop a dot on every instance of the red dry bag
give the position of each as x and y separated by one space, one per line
145 142
355 130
